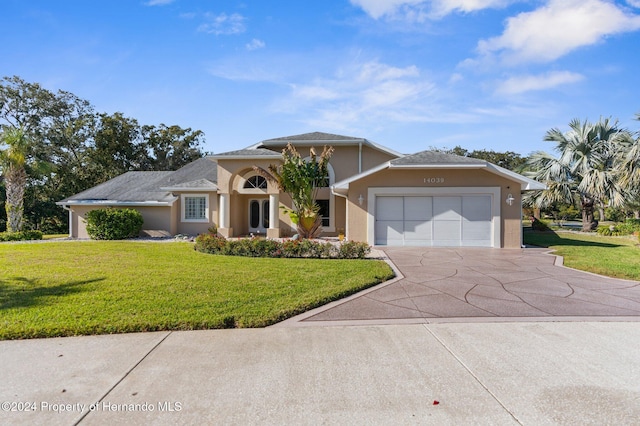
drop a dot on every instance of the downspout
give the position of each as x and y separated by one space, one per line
346 213
360 157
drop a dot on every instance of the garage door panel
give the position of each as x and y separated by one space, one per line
389 232
446 230
418 208
447 208
476 208
476 230
417 232
389 208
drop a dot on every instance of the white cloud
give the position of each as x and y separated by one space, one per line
420 10
158 2
223 24
558 28
255 44
442 8
634 3
527 83
379 8
363 94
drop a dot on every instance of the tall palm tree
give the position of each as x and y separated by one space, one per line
13 159
585 171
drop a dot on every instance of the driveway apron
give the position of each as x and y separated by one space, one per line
460 284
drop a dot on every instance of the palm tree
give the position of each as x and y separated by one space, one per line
585 172
13 159
300 179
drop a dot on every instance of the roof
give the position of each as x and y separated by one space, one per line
320 138
131 187
439 160
149 188
248 153
312 137
434 158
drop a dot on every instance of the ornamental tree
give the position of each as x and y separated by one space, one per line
300 178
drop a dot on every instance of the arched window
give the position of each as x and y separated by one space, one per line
255 182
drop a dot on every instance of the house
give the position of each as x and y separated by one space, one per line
374 194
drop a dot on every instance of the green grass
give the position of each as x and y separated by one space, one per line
612 256
75 288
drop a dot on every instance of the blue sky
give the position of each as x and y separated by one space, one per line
408 74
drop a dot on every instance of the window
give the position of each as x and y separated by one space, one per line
324 212
195 208
256 182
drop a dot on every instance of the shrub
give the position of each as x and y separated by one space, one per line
263 247
353 250
210 243
21 235
113 224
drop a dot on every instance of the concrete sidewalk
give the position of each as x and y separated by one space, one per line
480 373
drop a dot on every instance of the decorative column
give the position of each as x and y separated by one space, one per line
224 214
274 219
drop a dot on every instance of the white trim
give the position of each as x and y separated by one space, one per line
242 180
526 184
118 203
437 166
183 204
493 191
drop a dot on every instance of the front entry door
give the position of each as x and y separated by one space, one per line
258 216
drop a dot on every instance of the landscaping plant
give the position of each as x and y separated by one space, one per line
113 224
300 179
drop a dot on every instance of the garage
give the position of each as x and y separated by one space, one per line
438 221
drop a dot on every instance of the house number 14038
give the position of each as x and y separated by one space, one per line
434 180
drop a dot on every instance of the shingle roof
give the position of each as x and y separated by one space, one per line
434 157
249 152
145 187
202 168
314 136
129 187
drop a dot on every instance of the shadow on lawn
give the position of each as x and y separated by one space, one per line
546 239
20 292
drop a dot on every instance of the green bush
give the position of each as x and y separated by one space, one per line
627 228
21 236
263 247
113 224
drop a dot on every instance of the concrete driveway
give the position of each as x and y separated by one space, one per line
459 284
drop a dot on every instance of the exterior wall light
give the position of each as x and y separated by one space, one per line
510 199
360 199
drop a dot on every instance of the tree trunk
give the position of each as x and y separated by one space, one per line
588 221
310 227
636 214
15 181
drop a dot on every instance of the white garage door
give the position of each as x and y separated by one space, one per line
439 221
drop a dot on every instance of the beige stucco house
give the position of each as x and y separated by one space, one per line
374 194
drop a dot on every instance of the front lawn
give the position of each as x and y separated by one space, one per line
97 287
612 256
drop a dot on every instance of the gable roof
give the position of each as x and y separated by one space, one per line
149 188
440 160
320 138
434 158
252 152
131 188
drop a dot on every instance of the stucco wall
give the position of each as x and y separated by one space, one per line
510 222
155 218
